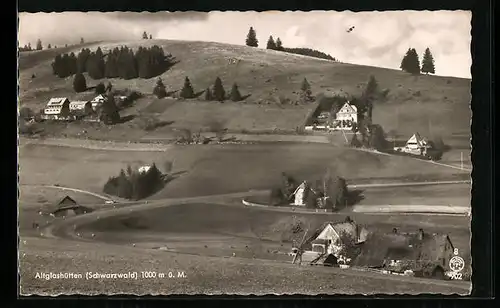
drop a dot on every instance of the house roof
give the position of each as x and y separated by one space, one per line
416 138
57 101
404 246
348 108
78 104
99 97
67 199
349 228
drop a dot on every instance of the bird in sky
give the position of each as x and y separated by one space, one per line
350 29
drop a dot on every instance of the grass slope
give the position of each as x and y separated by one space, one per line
415 103
216 169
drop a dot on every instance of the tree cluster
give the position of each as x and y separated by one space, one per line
310 53
145 36
134 185
271 44
118 63
26 47
109 112
218 93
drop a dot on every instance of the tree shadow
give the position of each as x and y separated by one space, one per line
244 97
153 126
170 93
92 88
126 118
198 94
354 196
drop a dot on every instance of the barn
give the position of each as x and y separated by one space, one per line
67 206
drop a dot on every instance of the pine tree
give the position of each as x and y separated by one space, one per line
404 61
252 38
187 90
208 95
81 40
39 45
29 46
159 89
271 44
410 62
79 83
428 62
129 170
144 35
109 87
109 110
150 37
219 93
235 93
369 95
279 45
305 91
49 46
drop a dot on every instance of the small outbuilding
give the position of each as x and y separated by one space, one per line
67 206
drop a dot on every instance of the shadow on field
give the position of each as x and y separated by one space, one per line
170 93
244 97
126 118
196 95
354 196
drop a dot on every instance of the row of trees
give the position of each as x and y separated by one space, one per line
117 63
146 36
252 41
216 93
134 185
39 45
411 62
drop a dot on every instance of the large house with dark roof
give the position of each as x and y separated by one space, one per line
426 253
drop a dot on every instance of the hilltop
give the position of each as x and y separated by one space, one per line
420 103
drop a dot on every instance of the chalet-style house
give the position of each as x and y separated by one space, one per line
415 145
67 206
423 253
333 241
98 101
57 108
345 117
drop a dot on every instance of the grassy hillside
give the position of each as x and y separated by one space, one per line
415 103
213 169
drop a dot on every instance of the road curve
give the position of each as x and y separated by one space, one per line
66 229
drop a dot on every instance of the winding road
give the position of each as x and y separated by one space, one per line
65 228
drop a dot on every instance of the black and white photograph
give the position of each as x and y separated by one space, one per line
244 153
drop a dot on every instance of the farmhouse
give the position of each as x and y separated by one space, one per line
98 101
415 145
334 241
419 252
301 194
81 108
144 169
345 117
57 109
67 206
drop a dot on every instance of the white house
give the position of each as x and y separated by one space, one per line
345 117
299 194
80 106
57 108
415 145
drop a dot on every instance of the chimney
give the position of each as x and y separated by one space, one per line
394 230
420 234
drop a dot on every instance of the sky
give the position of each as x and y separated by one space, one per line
378 39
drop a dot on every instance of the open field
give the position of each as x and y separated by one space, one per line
204 274
211 169
422 103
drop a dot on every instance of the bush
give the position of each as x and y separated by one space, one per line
168 166
235 93
100 88
79 83
377 139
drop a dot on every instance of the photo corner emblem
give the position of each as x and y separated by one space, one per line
456 263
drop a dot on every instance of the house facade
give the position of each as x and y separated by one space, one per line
345 118
57 108
81 108
416 145
98 101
